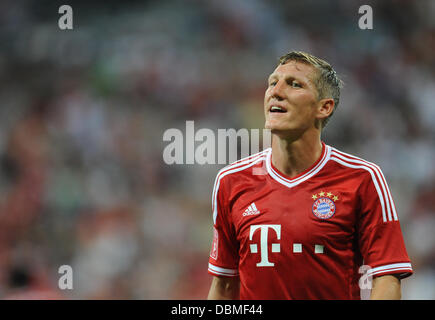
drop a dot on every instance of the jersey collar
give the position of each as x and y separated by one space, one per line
307 174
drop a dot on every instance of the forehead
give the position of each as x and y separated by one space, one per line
295 69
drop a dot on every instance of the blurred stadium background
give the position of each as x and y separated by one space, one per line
82 115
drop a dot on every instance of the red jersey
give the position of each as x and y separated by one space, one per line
304 237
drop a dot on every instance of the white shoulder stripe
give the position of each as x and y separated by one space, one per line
249 157
386 210
379 174
381 197
390 203
245 160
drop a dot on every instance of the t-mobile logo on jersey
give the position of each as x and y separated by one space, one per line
264 229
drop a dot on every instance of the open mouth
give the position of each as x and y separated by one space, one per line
277 109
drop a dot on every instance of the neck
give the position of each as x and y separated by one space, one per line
292 157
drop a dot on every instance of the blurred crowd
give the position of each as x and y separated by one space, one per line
83 111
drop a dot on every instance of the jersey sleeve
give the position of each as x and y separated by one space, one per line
223 260
379 234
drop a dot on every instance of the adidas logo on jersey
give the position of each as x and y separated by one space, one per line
252 209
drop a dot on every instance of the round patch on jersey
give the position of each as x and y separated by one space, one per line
323 208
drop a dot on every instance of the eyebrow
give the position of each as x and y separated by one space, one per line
274 75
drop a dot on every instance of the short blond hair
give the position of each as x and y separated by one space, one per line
327 82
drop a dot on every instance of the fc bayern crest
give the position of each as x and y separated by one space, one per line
324 208
324 204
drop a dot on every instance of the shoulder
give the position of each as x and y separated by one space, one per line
355 164
234 171
241 166
373 186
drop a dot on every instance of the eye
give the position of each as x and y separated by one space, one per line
295 84
272 83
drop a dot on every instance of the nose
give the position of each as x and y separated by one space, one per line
277 91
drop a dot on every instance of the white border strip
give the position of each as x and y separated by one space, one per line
222 271
405 267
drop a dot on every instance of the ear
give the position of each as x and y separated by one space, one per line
325 108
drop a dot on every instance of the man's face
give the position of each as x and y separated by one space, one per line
291 99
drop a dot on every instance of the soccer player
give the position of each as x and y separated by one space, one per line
298 220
